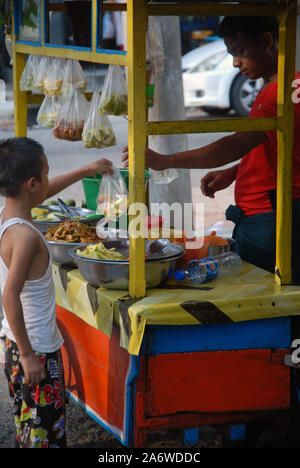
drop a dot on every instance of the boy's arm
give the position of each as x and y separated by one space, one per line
57 184
217 154
23 251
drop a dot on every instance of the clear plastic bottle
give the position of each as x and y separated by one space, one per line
210 268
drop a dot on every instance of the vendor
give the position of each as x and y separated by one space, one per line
253 43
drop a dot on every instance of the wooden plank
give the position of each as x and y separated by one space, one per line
20 97
136 30
285 140
95 368
111 57
215 9
254 334
211 125
216 382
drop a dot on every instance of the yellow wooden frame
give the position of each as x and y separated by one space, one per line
139 128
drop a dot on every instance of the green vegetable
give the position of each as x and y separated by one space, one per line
99 252
84 204
52 202
115 104
71 202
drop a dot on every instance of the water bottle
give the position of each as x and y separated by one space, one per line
210 268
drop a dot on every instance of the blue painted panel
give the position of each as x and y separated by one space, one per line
253 334
191 436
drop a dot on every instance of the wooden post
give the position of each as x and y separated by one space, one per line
285 139
136 34
20 97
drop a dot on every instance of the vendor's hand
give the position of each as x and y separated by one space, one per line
217 180
103 166
34 371
153 160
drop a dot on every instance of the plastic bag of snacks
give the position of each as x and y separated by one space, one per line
70 120
97 130
113 195
54 78
43 67
28 74
74 77
113 100
49 111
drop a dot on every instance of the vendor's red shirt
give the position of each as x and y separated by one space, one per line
257 172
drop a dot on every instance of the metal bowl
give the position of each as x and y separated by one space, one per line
43 226
60 252
115 274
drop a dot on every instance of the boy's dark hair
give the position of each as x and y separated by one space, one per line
20 159
251 26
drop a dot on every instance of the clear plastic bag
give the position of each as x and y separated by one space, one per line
49 111
54 78
28 74
74 77
42 69
70 120
163 177
112 198
113 100
97 131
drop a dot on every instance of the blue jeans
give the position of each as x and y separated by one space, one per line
255 238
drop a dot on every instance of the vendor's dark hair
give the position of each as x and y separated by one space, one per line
251 26
20 159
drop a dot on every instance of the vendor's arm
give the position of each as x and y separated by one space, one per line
57 184
217 154
217 180
23 251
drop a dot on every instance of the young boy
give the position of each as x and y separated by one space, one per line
253 43
32 339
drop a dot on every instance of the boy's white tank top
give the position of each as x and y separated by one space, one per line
38 302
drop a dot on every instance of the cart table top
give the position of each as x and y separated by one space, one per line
251 295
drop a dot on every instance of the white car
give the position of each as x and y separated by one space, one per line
211 82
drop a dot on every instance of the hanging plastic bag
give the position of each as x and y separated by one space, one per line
112 198
70 120
113 100
54 78
49 111
28 74
73 77
41 72
97 131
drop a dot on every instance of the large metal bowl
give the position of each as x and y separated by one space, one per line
60 252
115 274
43 226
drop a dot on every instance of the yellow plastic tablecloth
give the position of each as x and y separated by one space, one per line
251 295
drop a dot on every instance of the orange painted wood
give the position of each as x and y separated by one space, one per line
95 366
210 382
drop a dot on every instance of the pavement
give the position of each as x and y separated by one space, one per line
64 156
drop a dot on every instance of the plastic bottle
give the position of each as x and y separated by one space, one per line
210 268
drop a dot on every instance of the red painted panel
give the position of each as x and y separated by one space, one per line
216 382
95 366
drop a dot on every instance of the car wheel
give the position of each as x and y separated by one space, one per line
215 110
243 93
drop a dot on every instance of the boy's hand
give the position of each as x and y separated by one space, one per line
153 160
103 166
217 180
34 371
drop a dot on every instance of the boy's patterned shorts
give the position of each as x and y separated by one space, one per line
39 411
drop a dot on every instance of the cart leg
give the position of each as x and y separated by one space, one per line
20 97
191 436
139 437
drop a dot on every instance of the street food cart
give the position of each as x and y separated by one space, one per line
178 356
